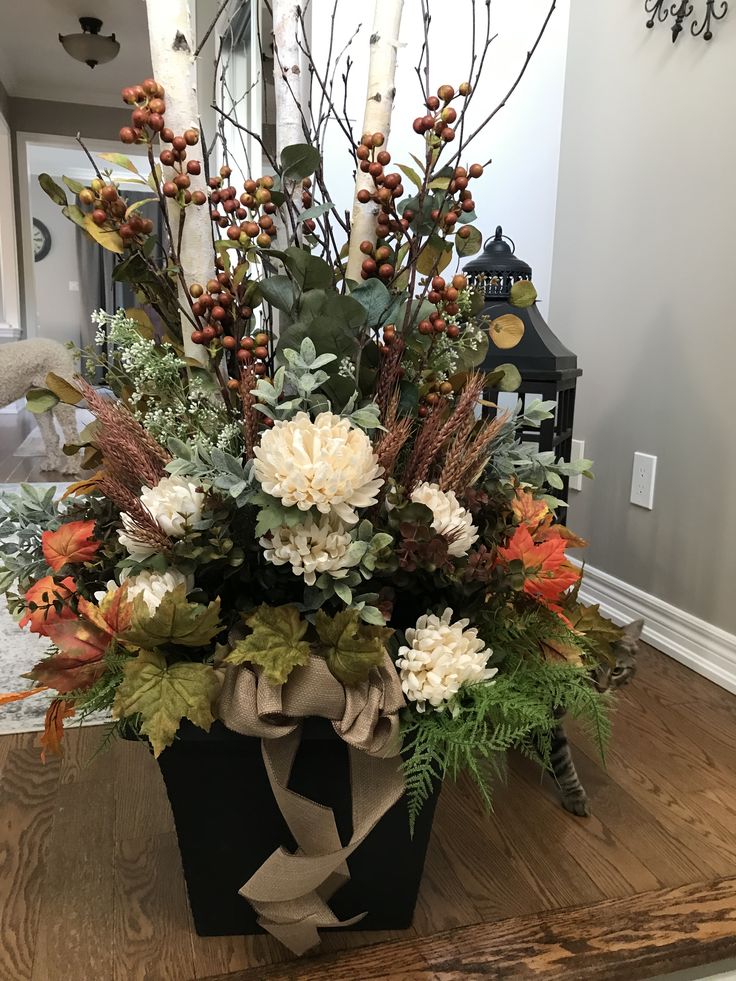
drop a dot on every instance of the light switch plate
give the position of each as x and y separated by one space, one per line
642 480
577 452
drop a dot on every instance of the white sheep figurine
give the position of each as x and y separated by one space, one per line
25 365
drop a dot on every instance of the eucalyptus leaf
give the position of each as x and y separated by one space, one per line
299 161
49 185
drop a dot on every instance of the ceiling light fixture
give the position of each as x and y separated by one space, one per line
91 47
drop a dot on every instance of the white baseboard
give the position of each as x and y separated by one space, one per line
699 645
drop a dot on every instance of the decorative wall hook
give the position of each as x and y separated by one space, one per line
680 11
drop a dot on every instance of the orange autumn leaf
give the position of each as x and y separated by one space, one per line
547 530
44 593
83 486
113 615
547 573
18 696
53 731
80 639
69 544
66 673
529 510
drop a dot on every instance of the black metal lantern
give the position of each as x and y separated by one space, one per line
548 370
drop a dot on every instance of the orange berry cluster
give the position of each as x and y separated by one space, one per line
444 296
147 120
248 218
441 115
109 211
380 261
225 318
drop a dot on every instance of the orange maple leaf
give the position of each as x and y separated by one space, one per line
72 543
113 615
44 593
529 510
547 573
53 731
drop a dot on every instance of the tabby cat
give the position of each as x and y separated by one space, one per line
606 677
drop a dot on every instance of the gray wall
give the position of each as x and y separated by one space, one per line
66 119
645 252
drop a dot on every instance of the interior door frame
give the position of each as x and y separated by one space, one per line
10 312
30 312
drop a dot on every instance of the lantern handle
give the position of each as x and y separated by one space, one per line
497 238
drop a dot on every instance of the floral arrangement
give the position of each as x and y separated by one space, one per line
295 463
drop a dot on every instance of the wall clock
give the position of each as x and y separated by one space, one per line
41 240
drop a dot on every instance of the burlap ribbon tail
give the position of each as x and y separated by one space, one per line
290 892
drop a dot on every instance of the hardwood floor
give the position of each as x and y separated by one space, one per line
91 887
14 469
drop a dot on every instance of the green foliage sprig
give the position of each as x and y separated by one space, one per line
518 710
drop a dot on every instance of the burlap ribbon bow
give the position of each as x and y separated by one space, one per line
290 892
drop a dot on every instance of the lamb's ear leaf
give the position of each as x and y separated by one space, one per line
63 389
40 400
49 185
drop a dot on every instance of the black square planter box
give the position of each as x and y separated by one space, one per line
228 824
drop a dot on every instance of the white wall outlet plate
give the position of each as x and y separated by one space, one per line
577 452
642 480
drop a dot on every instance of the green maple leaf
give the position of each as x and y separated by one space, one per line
599 631
164 694
350 647
276 643
175 621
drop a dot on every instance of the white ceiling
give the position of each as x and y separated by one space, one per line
33 64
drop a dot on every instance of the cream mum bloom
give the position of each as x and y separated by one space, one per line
440 658
311 548
174 503
152 586
449 517
326 463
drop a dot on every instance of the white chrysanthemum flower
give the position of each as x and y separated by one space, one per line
326 463
174 503
152 586
311 547
450 518
440 658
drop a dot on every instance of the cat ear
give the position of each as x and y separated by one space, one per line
634 629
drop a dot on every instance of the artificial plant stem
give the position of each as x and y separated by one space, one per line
172 45
376 119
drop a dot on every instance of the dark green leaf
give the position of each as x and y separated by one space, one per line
299 161
279 292
49 185
471 244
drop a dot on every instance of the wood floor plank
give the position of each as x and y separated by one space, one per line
470 843
27 797
615 940
85 758
75 935
659 845
153 927
141 805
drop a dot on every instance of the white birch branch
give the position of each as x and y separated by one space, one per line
376 119
172 45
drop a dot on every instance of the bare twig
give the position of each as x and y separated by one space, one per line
211 28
